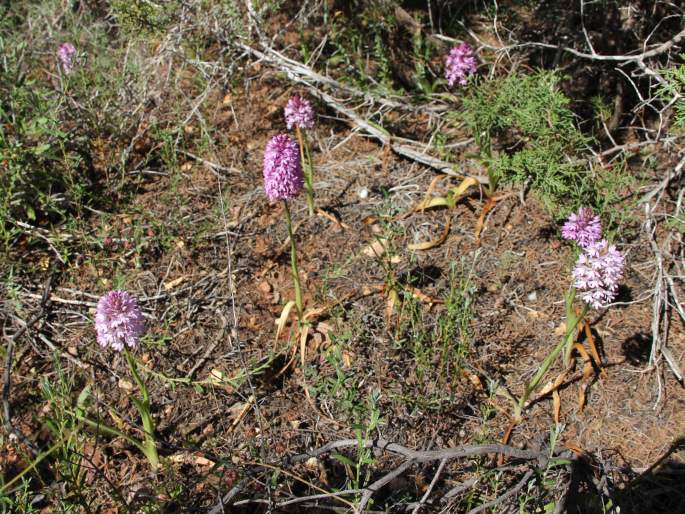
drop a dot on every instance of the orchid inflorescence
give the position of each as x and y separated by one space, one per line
459 63
299 113
584 228
66 54
596 275
283 179
119 324
599 267
118 321
598 270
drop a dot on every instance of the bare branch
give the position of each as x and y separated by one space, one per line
427 455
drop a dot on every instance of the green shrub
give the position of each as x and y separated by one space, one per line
40 164
527 132
675 86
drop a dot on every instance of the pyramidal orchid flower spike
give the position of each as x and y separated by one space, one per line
66 54
118 321
299 112
597 274
283 179
584 228
119 324
459 64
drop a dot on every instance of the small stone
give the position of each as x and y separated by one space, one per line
532 296
125 385
363 193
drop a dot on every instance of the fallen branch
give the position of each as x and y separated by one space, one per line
594 56
426 455
508 494
404 147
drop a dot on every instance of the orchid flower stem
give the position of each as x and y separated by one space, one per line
293 262
149 445
572 321
308 168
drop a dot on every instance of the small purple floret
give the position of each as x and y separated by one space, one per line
283 177
459 63
118 321
66 55
299 111
597 273
584 228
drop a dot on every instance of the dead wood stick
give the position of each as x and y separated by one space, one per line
460 488
500 499
427 455
303 75
431 486
413 152
662 48
378 484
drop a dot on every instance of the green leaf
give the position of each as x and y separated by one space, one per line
41 149
342 459
81 401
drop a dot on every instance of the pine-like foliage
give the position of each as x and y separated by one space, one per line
527 132
675 87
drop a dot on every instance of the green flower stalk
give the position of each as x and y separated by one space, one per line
293 262
283 180
566 344
149 444
596 275
119 324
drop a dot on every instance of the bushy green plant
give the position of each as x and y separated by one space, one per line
143 16
675 87
39 158
527 133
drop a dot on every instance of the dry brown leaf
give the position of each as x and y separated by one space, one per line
304 332
203 461
390 305
173 283
421 296
473 378
431 187
332 218
556 401
548 388
283 319
489 205
244 407
375 249
593 349
560 330
435 242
